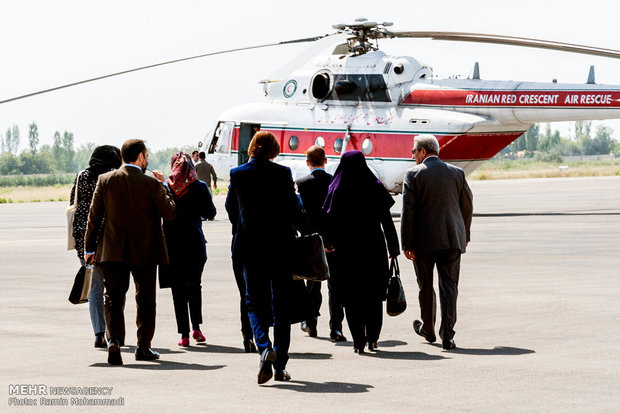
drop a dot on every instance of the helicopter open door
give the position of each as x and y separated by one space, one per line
246 132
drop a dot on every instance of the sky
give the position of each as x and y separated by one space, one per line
49 43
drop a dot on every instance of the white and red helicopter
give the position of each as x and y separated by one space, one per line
344 93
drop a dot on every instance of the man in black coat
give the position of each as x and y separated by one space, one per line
435 224
313 190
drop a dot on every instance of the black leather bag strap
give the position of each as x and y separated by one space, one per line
394 269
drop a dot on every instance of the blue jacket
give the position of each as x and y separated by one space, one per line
264 211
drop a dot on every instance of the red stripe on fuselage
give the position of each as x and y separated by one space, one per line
390 145
532 98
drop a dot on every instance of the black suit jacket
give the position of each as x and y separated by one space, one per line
264 211
437 207
313 190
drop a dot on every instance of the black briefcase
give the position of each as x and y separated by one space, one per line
309 259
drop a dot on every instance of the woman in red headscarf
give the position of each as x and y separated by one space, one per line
186 246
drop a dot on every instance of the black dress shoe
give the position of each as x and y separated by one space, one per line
114 353
417 327
312 332
264 367
146 354
372 346
249 345
449 344
100 341
337 336
282 375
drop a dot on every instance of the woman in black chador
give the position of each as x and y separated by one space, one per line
186 246
359 223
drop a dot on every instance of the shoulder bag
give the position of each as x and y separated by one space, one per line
309 261
396 301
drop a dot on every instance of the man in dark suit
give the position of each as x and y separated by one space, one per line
265 211
435 223
132 240
313 190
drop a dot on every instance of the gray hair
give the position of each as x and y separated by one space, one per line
428 142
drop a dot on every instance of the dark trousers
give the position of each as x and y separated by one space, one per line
336 311
448 263
185 296
246 328
116 282
267 298
365 320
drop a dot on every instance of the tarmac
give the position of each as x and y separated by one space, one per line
538 327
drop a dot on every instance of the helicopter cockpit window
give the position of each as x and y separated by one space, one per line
367 146
360 87
320 141
338 145
293 142
222 138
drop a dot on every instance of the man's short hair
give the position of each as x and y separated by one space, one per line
202 155
316 156
428 142
194 153
131 149
264 146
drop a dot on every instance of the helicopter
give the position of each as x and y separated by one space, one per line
343 93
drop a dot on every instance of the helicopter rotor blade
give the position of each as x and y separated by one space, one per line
509 40
169 62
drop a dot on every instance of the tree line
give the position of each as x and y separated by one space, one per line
551 143
61 156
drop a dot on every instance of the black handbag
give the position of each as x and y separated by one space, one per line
309 261
81 286
396 301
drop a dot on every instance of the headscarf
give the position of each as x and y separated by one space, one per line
183 173
355 187
105 158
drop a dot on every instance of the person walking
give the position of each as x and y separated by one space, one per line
205 171
359 224
435 230
104 158
132 241
186 246
313 190
264 209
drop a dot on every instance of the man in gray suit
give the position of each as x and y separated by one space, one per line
437 213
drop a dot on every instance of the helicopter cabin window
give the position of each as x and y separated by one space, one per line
367 146
222 138
293 142
320 141
338 145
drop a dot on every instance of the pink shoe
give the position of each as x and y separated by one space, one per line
198 336
184 342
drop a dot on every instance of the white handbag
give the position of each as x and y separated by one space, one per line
70 215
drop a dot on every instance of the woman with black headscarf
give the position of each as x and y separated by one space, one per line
359 223
104 158
186 246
